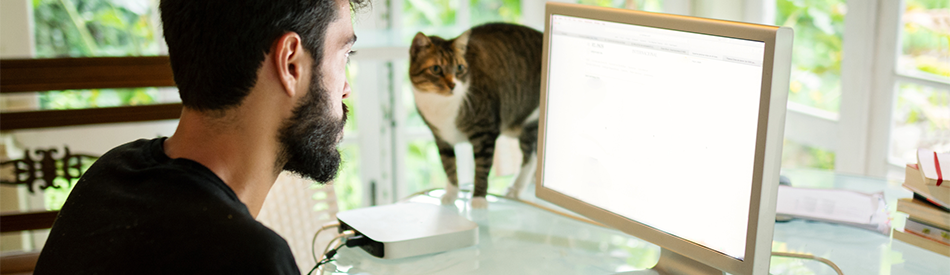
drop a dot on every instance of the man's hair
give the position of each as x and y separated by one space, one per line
216 47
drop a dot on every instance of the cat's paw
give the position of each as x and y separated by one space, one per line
513 193
450 196
479 203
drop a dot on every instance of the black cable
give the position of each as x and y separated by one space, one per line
349 238
328 257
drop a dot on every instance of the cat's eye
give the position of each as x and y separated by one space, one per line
436 70
460 69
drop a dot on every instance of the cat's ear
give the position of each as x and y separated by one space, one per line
461 42
419 42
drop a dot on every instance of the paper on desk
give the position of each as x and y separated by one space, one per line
847 207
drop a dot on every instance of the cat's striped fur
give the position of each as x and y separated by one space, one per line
472 88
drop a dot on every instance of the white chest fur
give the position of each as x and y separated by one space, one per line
441 111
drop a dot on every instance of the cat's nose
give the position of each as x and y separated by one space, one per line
451 84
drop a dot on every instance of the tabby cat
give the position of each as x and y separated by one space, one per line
475 87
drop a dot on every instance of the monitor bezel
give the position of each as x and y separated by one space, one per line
769 134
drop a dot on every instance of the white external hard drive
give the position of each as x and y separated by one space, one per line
409 229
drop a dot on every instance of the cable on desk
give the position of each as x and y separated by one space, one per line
328 253
314 242
811 257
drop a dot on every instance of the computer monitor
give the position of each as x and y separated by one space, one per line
668 128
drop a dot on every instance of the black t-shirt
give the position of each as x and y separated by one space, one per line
137 211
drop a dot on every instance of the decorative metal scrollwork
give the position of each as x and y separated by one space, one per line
48 168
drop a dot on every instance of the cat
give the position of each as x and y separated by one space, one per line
475 87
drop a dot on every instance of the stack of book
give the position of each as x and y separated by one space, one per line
928 222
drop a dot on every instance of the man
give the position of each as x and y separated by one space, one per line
261 83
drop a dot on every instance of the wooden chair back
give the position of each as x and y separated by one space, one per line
38 75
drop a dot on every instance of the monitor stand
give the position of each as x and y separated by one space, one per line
671 263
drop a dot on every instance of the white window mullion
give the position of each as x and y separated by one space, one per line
463 15
681 7
718 9
883 95
372 26
371 138
811 126
532 13
851 150
759 11
401 140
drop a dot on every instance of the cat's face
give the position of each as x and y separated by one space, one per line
437 65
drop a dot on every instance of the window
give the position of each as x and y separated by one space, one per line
815 83
91 28
921 113
893 87
95 28
411 161
869 83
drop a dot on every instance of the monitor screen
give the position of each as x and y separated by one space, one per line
652 122
663 122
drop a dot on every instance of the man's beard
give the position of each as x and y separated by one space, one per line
308 139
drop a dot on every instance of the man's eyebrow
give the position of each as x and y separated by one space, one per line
351 41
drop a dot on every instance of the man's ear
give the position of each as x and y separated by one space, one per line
289 57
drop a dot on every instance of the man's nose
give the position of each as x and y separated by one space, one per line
346 89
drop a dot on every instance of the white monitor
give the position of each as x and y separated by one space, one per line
668 128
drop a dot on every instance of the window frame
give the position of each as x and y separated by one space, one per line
859 133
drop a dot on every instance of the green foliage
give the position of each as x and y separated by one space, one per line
54 198
424 166
78 28
435 13
927 46
79 99
920 114
644 5
484 11
498 184
352 69
86 28
347 185
425 170
796 155
922 106
816 56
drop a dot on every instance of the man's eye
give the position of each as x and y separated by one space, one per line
348 54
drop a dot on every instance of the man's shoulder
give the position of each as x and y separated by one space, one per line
136 147
136 212
141 168
167 235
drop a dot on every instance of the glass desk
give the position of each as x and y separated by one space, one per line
520 238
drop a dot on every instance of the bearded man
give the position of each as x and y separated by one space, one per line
262 84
